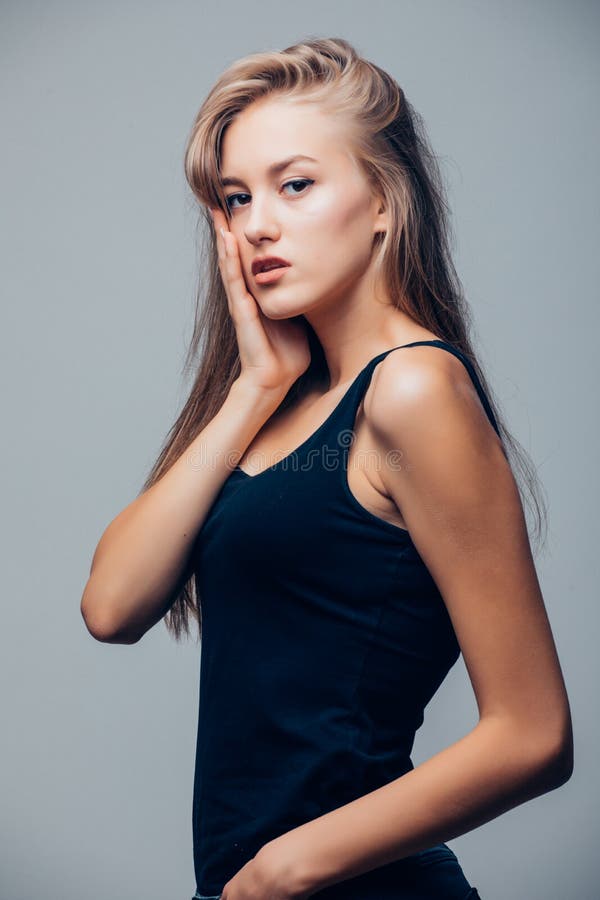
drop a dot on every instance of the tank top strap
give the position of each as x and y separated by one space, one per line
348 407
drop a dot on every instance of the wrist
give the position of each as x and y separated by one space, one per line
287 869
269 398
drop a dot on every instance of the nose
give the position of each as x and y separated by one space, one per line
261 222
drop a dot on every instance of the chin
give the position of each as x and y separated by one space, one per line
277 314
275 310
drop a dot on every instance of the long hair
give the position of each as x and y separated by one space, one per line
388 140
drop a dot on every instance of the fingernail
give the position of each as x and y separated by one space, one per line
222 230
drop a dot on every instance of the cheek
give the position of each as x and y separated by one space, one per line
336 234
333 211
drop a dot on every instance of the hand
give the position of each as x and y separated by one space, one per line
267 876
273 353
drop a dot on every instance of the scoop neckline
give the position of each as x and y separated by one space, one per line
320 428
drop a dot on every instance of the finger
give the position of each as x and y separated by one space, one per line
221 243
218 223
219 218
238 297
218 226
233 266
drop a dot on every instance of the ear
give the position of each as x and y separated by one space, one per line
380 223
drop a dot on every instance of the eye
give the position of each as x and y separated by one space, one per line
303 182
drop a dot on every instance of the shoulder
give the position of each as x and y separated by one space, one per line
443 463
424 391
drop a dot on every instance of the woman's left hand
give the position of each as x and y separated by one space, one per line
270 875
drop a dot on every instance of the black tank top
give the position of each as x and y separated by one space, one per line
323 639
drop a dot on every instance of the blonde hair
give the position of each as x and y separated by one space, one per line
387 139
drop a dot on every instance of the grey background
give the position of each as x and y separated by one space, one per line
98 274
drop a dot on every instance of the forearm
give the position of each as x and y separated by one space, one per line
490 770
143 554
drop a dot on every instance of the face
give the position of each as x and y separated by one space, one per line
319 214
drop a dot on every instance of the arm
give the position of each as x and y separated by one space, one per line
142 559
458 497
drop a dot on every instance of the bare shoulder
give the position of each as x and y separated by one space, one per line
414 384
443 460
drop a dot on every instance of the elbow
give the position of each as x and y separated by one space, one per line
557 757
103 625
561 763
107 634
542 756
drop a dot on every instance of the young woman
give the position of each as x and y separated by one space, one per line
338 507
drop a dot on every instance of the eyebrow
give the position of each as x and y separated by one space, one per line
273 169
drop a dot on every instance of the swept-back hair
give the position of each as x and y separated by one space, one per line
387 138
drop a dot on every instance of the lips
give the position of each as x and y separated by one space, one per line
264 263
